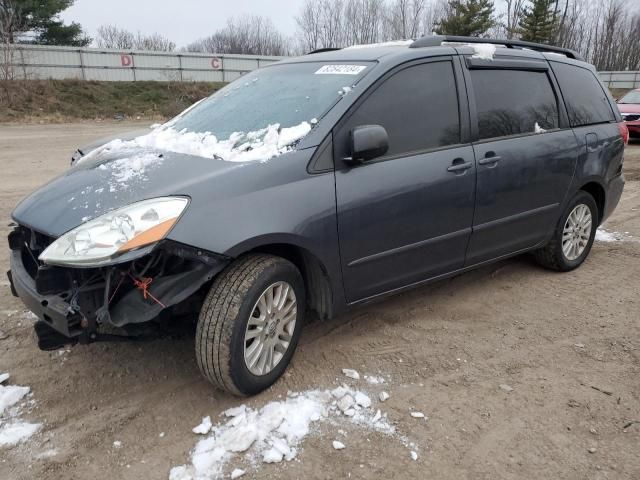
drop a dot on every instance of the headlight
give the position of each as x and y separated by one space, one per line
104 238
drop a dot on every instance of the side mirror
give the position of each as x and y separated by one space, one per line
368 142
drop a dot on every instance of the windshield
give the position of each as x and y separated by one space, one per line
631 97
286 95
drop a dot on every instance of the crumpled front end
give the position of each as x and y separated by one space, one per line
83 304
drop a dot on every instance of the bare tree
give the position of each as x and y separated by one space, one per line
110 36
404 18
153 42
605 32
249 35
310 25
9 24
514 13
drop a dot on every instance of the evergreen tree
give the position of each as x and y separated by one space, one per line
470 18
538 23
37 21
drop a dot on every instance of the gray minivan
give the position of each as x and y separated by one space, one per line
319 183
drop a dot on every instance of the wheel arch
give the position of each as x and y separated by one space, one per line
317 281
597 191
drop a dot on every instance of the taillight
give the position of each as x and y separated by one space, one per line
624 132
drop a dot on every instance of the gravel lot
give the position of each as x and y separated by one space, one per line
567 345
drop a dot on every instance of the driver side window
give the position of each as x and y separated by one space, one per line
418 107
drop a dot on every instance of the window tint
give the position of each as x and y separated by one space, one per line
512 102
418 107
584 97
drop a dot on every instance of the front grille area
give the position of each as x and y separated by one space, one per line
31 244
631 117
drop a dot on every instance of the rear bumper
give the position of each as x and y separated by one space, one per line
616 186
634 129
51 309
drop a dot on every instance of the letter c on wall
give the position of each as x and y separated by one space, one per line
216 63
126 60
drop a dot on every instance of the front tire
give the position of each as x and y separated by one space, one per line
250 323
573 237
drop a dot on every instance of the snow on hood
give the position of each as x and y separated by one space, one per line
260 145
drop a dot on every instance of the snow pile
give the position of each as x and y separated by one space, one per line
275 432
483 51
12 429
261 145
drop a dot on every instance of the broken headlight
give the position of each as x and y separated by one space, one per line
103 239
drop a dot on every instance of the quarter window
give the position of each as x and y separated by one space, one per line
586 101
418 106
513 102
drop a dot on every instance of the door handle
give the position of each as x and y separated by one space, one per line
459 165
492 160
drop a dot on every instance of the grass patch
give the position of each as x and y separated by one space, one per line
68 100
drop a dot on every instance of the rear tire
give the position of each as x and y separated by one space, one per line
557 255
223 325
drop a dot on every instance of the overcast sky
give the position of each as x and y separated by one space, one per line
181 21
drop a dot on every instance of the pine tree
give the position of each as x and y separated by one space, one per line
37 21
470 18
538 23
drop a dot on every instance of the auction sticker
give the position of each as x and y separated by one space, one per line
340 69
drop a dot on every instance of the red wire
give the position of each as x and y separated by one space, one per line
143 285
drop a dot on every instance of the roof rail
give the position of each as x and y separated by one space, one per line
437 40
321 50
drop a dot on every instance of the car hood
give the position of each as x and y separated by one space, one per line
94 187
629 107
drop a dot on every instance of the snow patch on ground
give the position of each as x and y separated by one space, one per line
538 129
603 235
374 380
275 432
12 429
483 51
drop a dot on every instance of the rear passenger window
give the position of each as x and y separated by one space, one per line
513 102
584 97
418 107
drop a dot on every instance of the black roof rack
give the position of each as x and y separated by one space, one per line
437 40
321 50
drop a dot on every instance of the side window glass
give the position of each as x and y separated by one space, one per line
513 102
586 101
418 106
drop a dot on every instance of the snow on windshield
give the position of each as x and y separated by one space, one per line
252 119
260 145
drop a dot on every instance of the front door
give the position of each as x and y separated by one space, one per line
406 216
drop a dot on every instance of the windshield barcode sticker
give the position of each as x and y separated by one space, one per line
340 69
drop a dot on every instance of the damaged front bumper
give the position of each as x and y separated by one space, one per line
80 304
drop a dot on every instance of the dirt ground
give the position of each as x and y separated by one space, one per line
567 344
